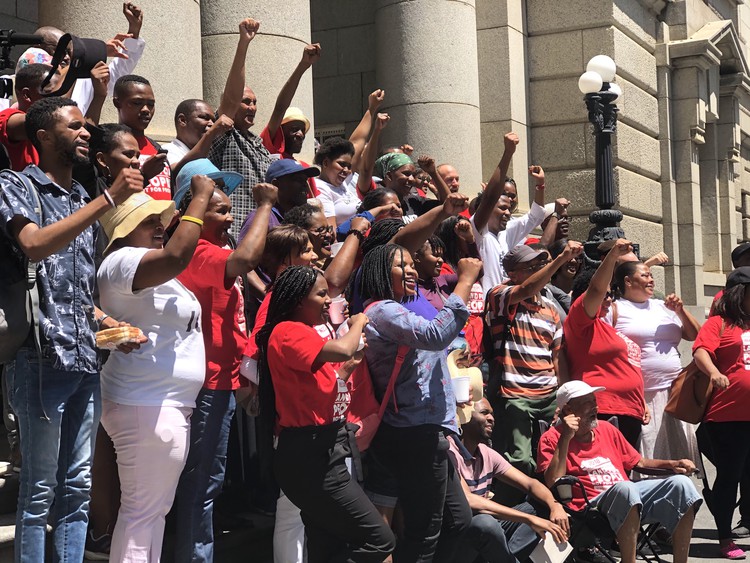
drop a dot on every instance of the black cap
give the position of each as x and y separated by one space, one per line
740 276
84 55
738 252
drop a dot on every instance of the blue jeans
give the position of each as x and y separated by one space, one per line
498 541
660 500
203 476
56 455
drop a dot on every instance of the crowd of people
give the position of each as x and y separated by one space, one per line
338 303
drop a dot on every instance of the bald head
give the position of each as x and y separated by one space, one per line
50 37
450 176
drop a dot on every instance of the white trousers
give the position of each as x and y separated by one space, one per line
152 445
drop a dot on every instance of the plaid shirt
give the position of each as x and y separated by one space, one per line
245 154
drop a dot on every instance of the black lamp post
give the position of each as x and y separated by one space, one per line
600 94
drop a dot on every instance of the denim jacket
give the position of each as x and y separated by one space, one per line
66 278
423 390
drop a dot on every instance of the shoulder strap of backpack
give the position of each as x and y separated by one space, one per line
32 290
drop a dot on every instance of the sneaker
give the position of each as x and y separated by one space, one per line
732 551
741 530
590 555
97 549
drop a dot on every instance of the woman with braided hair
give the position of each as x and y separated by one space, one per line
303 403
411 442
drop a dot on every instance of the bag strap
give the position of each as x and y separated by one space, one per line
614 314
32 289
509 319
400 355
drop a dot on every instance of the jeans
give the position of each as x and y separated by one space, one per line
56 454
664 501
341 523
436 512
498 541
203 476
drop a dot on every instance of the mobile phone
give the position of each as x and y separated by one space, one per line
162 151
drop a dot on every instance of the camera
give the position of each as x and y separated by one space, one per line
9 39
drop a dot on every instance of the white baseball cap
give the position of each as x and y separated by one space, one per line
573 389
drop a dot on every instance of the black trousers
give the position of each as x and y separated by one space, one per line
435 510
629 426
341 524
730 453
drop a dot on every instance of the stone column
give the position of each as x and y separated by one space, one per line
171 60
504 87
271 58
427 63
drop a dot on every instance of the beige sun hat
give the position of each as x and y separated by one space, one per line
295 114
475 381
123 219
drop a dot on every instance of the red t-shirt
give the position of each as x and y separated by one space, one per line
160 186
277 146
474 328
599 464
599 355
251 349
304 397
223 320
20 153
730 352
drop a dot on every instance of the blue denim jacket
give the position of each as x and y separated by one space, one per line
423 390
66 278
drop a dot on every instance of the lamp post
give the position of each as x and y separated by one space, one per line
600 94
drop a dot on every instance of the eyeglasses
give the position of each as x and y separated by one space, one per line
534 267
321 230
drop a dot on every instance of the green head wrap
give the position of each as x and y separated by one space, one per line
389 162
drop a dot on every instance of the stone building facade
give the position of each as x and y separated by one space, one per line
458 74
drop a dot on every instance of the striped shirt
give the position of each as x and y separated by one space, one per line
535 335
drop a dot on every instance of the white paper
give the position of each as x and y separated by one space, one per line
549 551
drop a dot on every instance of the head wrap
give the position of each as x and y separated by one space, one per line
389 162
32 56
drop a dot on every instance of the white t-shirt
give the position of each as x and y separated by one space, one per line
493 247
83 91
168 369
340 202
176 151
658 331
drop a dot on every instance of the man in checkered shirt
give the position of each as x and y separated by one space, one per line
240 150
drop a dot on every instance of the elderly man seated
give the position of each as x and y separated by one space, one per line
597 453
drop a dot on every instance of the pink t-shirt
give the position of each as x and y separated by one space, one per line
480 470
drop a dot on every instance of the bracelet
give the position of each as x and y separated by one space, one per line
108 197
540 186
359 234
101 319
191 219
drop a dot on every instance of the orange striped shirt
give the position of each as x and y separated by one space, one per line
535 334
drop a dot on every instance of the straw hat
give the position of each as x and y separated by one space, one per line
123 219
295 114
475 381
